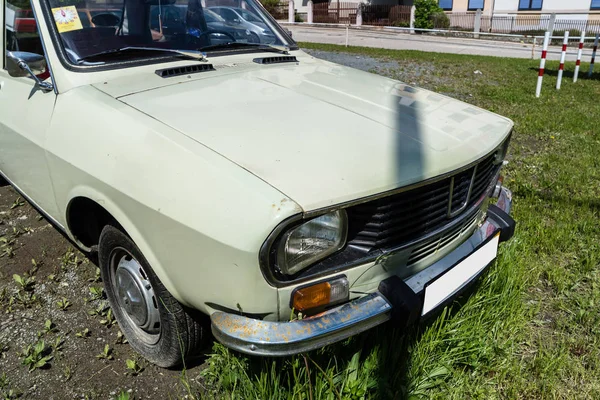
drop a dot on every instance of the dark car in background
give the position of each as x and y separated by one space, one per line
173 19
248 20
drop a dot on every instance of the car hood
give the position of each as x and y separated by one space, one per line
320 133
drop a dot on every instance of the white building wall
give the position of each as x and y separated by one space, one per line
506 6
571 9
565 7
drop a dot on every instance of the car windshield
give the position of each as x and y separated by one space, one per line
106 27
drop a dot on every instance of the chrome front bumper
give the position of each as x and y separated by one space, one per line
268 338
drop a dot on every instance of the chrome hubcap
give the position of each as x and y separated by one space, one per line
136 295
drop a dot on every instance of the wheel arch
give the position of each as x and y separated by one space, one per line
84 202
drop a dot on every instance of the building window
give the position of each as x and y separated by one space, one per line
534 4
595 5
447 4
476 4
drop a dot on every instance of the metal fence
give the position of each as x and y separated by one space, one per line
385 15
454 21
514 24
576 27
335 12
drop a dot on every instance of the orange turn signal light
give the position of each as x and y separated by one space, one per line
320 294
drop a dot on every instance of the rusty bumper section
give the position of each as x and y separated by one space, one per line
284 338
268 338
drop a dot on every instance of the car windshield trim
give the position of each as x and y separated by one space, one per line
246 46
190 54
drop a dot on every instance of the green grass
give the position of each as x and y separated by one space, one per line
532 328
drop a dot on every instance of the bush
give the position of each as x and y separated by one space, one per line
424 12
401 24
440 21
573 33
272 6
298 18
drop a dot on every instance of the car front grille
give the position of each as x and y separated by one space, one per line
402 218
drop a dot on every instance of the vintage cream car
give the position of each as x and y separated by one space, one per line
290 201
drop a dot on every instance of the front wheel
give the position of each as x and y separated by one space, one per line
154 322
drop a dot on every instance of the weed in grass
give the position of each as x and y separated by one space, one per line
67 373
107 353
57 345
36 356
25 282
63 304
100 310
69 260
6 247
96 292
49 327
17 203
35 266
26 299
11 394
124 396
97 277
121 339
133 367
108 320
84 333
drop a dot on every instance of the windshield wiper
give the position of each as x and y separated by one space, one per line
189 54
237 45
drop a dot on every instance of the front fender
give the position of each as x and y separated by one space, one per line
199 219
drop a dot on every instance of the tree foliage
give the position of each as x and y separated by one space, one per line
424 12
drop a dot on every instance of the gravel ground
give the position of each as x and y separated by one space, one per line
33 250
421 74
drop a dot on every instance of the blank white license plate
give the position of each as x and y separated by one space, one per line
461 274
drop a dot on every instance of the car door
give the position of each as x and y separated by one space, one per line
25 110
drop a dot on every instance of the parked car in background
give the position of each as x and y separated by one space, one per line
208 203
247 20
172 21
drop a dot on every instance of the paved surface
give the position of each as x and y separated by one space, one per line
438 44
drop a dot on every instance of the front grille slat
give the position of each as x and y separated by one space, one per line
401 218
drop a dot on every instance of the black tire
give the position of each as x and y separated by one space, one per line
254 38
181 333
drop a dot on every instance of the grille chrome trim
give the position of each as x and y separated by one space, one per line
393 221
451 213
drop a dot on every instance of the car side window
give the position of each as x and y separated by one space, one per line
21 28
227 14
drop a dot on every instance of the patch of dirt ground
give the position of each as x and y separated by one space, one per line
59 301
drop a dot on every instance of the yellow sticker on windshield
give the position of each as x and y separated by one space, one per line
66 19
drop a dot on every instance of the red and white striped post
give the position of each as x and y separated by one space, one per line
579 54
538 89
591 71
563 55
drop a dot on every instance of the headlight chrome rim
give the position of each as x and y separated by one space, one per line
282 249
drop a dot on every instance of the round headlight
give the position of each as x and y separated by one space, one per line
312 241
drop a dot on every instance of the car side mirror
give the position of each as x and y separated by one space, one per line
21 63
236 21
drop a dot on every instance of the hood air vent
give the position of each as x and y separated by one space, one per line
276 60
188 69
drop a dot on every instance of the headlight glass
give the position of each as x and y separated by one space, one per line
312 241
501 152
